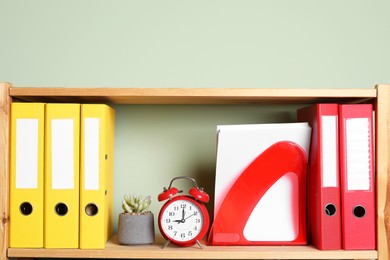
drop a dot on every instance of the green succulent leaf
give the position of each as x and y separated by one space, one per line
133 204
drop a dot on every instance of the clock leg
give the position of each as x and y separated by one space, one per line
199 244
166 243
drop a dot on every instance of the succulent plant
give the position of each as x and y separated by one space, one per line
136 205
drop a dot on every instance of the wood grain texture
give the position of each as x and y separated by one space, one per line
4 168
191 95
114 250
383 171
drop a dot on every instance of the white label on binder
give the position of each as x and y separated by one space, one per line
91 154
62 154
329 151
358 153
26 153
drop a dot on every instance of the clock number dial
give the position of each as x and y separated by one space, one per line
182 220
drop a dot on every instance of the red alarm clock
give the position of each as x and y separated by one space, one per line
183 219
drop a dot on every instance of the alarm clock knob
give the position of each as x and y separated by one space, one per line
167 194
199 194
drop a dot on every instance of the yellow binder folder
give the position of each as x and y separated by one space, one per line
26 175
96 175
61 228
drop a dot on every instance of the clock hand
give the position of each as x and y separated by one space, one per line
189 216
182 214
182 220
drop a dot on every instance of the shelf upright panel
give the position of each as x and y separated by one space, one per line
5 102
383 170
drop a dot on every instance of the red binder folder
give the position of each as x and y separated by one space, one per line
357 176
324 211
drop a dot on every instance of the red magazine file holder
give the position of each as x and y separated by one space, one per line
277 160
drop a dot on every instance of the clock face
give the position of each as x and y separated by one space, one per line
182 220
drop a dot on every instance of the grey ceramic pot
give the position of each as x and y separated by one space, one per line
135 229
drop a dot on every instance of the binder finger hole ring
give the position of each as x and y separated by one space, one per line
61 209
359 211
330 209
91 209
26 208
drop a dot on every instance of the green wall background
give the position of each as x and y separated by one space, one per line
179 43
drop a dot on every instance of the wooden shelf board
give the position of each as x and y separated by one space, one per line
191 95
114 250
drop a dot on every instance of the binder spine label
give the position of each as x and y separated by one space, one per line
91 152
27 153
62 154
329 151
358 153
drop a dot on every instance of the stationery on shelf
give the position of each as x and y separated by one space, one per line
26 175
96 175
324 208
357 176
260 189
61 202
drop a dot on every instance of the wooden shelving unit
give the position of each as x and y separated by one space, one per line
380 96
